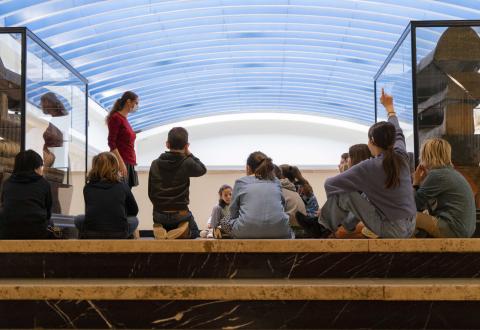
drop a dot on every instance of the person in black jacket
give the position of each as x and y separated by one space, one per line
110 208
168 188
26 200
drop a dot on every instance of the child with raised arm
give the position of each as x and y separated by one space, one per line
386 204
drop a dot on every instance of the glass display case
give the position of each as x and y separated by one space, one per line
433 74
43 106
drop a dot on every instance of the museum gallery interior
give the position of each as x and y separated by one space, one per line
255 164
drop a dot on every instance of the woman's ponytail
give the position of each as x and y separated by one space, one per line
261 165
383 134
120 103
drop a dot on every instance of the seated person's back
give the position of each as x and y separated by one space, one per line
110 207
169 185
257 207
26 200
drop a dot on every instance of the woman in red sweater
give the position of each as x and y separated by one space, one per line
121 137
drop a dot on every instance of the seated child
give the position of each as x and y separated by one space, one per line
26 200
311 204
357 154
293 174
343 166
257 208
169 185
444 192
293 203
110 207
222 210
378 190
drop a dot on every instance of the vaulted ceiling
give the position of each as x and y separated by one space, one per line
189 59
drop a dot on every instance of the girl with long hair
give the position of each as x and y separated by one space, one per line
376 191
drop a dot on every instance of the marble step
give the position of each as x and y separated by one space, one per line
244 289
237 259
430 245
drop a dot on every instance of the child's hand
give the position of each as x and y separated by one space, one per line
186 150
419 175
387 101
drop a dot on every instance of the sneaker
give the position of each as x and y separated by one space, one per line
204 233
159 232
210 233
368 233
182 231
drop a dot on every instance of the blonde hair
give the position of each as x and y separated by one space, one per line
105 167
435 153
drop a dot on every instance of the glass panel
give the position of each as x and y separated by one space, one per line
396 79
448 89
10 100
55 120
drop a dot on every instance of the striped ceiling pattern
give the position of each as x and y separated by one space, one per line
192 59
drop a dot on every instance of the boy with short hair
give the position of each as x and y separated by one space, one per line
168 188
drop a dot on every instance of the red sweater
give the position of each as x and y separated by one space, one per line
122 137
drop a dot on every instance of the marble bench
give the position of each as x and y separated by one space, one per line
237 259
243 289
234 284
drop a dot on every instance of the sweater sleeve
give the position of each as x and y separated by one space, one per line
131 206
430 188
348 181
150 185
194 166
114 124
236 195
216 216
400 145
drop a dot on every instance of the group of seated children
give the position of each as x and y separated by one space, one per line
375 191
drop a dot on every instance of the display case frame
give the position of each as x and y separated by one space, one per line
411 33
25 34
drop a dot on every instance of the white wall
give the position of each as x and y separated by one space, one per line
294 139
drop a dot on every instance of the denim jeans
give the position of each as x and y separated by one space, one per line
171 220
132 226
349 209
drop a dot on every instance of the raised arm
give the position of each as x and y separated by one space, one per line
387 102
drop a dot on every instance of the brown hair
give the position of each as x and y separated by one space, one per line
293 174
104 168
307 189
436 153
224 187
277 171
120 103
382 134
261 165
177 138
358 153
